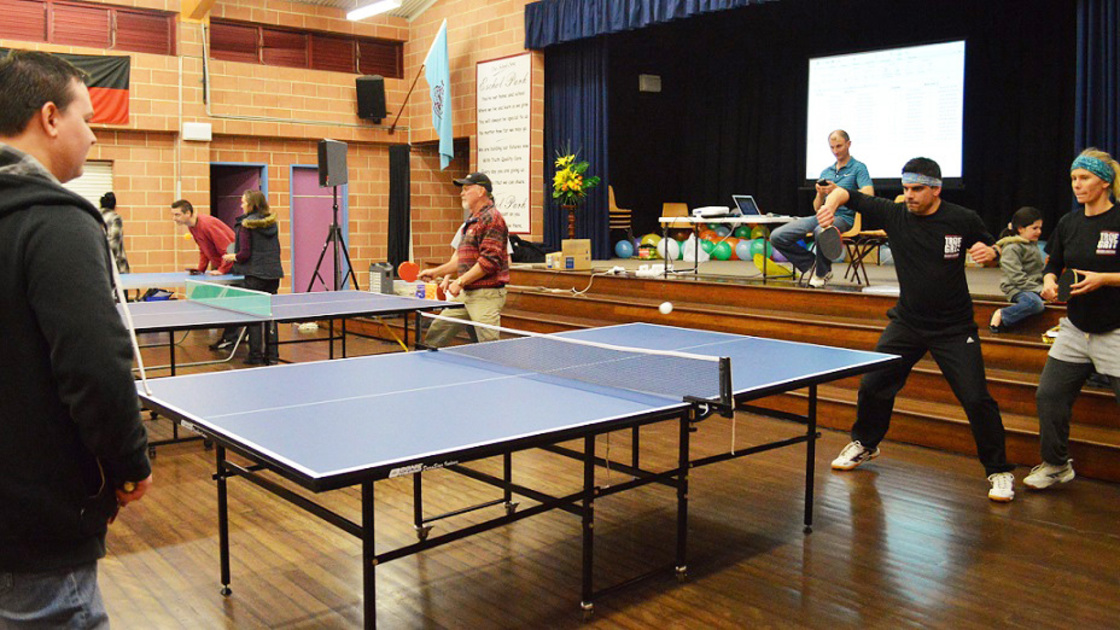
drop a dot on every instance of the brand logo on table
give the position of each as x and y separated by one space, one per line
952 247
1108 244
412 469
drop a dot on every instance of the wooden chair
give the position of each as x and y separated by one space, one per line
860 243
620 218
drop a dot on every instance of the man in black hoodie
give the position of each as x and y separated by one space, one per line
73 448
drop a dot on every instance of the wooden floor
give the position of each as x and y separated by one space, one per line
911 540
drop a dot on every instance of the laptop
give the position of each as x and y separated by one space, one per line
745 205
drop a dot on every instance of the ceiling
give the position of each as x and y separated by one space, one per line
409 10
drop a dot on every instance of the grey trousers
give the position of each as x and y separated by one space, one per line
1058 387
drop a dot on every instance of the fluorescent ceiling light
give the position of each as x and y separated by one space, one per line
372 9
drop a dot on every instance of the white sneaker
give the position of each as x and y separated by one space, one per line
853 455
1003 487
1045 475
817 281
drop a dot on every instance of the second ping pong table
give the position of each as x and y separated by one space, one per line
353 422
170 316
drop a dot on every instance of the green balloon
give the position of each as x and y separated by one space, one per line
722 251
761 246
707 245
713 226
742 232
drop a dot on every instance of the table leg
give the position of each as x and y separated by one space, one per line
369 559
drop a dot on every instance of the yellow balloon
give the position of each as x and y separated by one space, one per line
651 239
772 268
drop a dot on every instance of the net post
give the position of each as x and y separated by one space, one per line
726 395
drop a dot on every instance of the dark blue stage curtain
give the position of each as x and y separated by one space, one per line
575 117
1097 118
550 22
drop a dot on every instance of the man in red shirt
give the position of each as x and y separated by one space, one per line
212 236
478 272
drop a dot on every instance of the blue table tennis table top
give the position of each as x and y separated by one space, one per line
173 279
166 315
327 424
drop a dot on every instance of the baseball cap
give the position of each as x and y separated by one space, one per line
479 179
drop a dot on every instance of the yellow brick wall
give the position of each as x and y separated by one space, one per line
275 116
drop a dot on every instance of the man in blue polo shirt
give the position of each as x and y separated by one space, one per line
848 173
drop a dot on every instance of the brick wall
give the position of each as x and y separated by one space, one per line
275 116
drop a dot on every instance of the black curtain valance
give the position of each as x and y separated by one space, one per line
550 22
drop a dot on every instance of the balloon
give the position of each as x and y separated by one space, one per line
742 232
771 268
761 246
743 249
624 249
723 231
708 235
707 245
713 226
760 231
651 239
722 251
673 246
732 242
778 257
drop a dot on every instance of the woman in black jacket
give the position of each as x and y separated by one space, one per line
256 256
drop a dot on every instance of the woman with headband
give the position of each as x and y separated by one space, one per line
1085 242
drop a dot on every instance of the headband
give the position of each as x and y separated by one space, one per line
923 180
1096 166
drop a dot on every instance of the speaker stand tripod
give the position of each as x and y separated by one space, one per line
334 235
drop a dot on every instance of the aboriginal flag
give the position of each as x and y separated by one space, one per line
108 85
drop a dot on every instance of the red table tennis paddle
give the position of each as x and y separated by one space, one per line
408 271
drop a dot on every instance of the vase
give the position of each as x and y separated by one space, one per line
571 210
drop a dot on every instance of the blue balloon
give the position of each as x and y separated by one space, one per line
743 249
624 249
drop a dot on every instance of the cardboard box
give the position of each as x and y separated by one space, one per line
575 254
554 260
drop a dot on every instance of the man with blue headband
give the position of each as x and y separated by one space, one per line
929 238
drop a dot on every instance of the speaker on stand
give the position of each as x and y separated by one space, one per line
332 172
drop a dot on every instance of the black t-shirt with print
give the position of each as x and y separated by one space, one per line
929 254
1089 244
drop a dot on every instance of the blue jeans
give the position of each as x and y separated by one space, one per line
784 239
1026 303
66 598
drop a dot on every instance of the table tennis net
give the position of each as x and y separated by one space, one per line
675 375
230 298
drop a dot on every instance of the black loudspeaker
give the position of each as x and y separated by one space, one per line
371 97
332 163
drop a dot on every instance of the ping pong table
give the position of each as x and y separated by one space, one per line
170 316
334 424
174 279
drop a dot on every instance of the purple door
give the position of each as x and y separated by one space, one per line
311 221
227 183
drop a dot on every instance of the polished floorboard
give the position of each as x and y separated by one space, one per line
908 541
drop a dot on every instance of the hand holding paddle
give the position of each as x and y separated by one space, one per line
830 243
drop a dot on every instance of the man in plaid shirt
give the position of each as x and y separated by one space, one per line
480 265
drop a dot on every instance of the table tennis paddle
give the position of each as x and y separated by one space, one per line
408 271
1067 278
829 243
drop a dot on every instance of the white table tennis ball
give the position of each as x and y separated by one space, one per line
665 308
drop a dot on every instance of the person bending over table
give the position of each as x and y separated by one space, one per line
929 238
480 264
213 238
73 449
256 256
848 173
1085 241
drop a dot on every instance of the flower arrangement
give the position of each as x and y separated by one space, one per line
570 184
